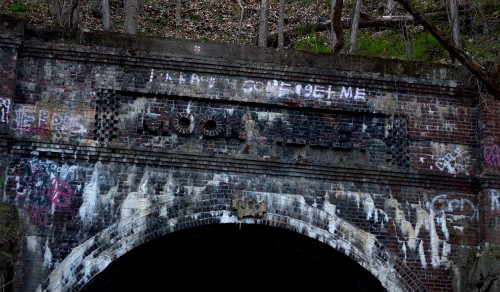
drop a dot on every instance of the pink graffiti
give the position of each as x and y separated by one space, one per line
37 186
38 189
60 192
492 155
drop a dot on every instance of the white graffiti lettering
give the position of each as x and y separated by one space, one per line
441 204
194 79
495 200
4 110
43 121
451 163
151 75
24 120
268 88
434 216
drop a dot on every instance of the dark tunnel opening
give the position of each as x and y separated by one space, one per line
232 256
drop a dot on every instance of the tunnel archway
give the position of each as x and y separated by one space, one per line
226 256
288 213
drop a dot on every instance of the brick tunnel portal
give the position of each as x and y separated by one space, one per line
225 256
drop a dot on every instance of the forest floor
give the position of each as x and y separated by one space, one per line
201 20
230 22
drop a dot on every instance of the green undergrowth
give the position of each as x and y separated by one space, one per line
20 9
313 43
10 243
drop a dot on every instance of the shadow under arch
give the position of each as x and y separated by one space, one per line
286 212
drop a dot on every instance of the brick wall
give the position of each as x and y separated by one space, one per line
108 130
488 150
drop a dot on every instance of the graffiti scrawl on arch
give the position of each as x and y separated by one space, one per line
42 187
430 222
452 159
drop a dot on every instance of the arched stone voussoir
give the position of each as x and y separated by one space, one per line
278 210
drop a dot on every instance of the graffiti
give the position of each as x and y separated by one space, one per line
492 155
434 216
337 131
280 89
269 88
181 78
495 210
495 205
42 185
454 163
4 110
197 49
442 204
44 121
495 201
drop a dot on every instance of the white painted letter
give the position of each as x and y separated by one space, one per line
318 91
194 79
360 94
346 93
247 86
495 203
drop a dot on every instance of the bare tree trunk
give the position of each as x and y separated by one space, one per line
496 73
281 24
406 40
337 32
57 11
242 11
263 23
131 16
389 9
178 17
477 69
480 8
106 18
74 13
354 27
66 12
455 28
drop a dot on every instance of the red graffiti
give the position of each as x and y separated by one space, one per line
492 155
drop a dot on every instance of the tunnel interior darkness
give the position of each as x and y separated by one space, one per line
232 257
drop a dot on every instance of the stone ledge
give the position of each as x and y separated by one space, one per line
246 166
